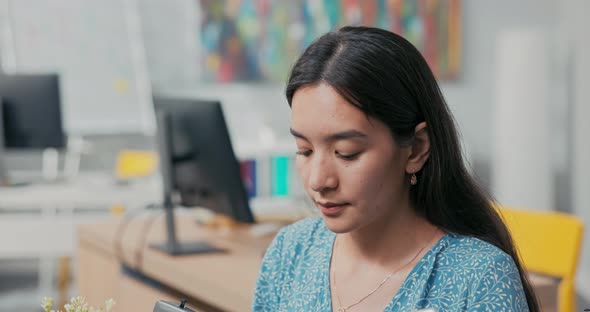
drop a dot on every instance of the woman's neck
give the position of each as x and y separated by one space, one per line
389 239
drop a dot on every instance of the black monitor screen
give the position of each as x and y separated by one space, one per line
31 111
199 162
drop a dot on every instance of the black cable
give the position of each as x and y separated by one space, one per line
120 232
147 226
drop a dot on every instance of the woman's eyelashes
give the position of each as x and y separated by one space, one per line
304 152
347 156
341 155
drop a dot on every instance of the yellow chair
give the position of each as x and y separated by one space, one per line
549 243
135 164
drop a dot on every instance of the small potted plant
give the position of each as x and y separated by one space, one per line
76 304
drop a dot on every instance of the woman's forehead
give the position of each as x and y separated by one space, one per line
321 110
323 103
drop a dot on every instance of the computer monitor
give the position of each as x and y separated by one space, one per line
31 116
32 111
3 172
198 164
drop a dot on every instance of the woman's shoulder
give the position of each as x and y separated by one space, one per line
472 247
470 274
473 255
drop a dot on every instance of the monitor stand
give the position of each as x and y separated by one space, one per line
172 246
4 178
188 248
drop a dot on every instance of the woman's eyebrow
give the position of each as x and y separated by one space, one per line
297 134
345 135
342 135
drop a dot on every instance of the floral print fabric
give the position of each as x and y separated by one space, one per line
458 273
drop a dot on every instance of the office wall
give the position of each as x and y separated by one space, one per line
170 29
470 97
95 46
577 24
170 36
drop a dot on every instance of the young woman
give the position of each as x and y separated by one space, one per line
404 227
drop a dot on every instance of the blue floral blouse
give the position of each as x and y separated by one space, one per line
459 273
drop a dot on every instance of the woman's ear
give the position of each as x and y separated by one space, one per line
419 149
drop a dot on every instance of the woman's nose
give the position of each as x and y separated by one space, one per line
322 176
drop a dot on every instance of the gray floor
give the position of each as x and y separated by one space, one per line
583 303
18 286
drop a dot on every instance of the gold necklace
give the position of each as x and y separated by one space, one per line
344 309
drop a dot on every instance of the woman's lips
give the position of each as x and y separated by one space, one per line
331 209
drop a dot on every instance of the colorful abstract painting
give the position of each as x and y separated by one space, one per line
259 40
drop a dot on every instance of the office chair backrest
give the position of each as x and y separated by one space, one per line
549 243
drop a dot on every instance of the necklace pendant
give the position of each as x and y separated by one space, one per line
341 309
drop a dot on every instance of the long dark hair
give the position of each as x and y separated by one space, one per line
387 78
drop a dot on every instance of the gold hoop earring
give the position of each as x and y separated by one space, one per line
413 179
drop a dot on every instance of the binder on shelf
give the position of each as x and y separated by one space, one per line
263 172
248 172
280 175
267 169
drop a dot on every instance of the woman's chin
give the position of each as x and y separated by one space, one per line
338 226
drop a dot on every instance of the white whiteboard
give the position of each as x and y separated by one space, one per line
96 47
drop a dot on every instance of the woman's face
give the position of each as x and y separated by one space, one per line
349 163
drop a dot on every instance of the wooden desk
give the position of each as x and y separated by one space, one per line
546 291
219 282
224 280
